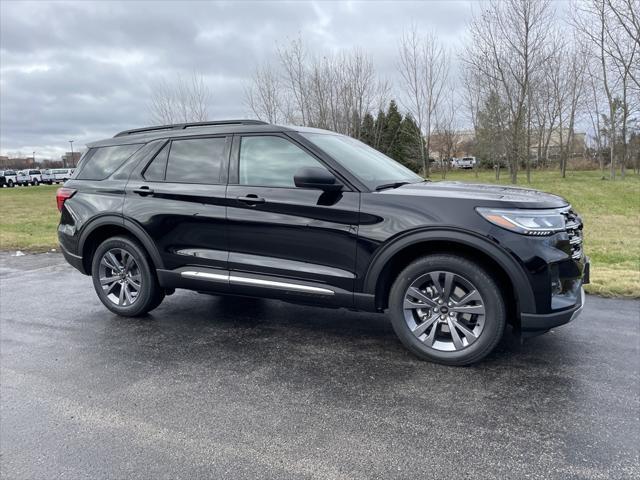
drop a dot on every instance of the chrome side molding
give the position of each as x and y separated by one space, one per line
216 277
258 282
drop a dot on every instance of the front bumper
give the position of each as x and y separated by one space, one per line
532 324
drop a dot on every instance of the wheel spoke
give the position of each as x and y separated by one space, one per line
435 278
107 262
448 283
432 335
121 299
420 329
128 263
133 283
469 335
455 336
110 287
473 309
106 280
415 293
127 293
469 297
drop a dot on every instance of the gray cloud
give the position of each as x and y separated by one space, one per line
83 70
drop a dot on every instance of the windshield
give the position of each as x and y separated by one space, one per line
370 166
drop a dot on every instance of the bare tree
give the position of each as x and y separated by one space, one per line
334 92
263 96
179 101
447 131
507 46
424 69
594 111
615 45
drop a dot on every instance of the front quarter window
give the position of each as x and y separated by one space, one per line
369 165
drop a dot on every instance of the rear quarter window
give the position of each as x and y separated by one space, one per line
101 162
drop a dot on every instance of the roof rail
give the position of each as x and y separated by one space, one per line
182 126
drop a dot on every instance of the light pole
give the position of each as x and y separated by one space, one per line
34 159
71 143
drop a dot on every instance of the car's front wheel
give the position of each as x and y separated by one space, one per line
447 309
124 278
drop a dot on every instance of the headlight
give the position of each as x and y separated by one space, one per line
527 222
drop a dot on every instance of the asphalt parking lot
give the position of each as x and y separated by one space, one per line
210 387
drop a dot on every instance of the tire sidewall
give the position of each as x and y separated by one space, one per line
149 288
486 286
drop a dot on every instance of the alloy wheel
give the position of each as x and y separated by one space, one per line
444 310
120 277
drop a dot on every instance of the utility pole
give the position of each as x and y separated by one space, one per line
71 143
34 159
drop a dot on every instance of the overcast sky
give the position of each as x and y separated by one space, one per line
83 70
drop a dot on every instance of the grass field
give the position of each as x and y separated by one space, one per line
610 210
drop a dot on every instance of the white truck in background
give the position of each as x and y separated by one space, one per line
464 162
57 175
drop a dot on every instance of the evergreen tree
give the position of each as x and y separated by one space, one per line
490 132
410 140
391 144
379 127
367 130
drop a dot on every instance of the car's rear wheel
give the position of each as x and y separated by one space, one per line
35 182
10 183
124 278
447 309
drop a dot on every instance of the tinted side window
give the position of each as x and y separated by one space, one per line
272 161
104 161
155 170
197 160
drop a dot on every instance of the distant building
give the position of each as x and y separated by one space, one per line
464 142
577 148
71 160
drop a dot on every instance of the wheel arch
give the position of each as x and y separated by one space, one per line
109 226
391 259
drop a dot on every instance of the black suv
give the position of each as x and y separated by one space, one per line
305 215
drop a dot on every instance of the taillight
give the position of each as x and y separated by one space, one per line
62 195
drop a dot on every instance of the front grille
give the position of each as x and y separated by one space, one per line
573 226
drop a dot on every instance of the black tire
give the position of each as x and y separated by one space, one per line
149 296
494 318
10 184
35 182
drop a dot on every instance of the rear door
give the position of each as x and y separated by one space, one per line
178 199
284 239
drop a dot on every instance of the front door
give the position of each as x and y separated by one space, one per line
285 241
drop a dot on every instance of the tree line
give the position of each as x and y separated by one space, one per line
529 75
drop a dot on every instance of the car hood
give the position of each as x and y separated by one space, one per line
489 194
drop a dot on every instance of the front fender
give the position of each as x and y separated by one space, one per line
515 272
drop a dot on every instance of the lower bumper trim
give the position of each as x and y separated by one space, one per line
532 322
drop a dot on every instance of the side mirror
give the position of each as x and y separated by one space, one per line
317 178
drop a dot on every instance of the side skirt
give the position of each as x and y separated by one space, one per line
217 281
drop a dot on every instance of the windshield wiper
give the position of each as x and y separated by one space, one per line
384 186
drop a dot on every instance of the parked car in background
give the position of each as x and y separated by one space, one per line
464 162
22 178
57 175
8 178
305 215
29 177
35 177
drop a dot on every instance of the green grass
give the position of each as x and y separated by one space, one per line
611 215
610 210
29 218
